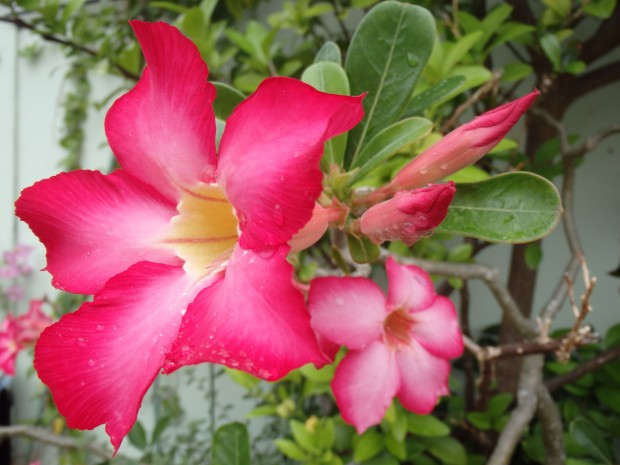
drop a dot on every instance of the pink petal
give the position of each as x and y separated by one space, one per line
28 326
437 329
163 130
364 384
347 311
270 153
312 231
100 360
253 320
95 226
424 378
409 287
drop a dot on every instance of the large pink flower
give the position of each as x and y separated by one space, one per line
184 249
398 347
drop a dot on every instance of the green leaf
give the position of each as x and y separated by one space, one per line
368 445
226 100
386 57
574 67
493 21
590 438
469 174
328 76
427 426
499 403
436 94
362 249
480 420
457 50
159 428
388 142
71 7
612 337
447 449
170 6
291 450
552 48
516 71
512 31
474 75
599 8
514 207
397 448
231 445
460 253
533 256
137 436
329 52
304 437
608 395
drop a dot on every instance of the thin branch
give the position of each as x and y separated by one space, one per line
527 403
21 24
584 368
46 436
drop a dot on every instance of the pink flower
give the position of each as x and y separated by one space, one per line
9 347
29 326
184 249
409 215
397 348
14 292
460 148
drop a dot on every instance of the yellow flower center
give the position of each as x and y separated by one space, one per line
205 230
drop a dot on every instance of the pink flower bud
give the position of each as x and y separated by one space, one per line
458 149
312 231
409 215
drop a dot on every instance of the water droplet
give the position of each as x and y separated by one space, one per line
100 327
423 170
444 166
81 342
413 60
278 214
409 227
91 363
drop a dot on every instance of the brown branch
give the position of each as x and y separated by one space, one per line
604 357
605 39
21 24
48 437
584 84
552 428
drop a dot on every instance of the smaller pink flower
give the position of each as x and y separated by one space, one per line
460 148
398 347
18 333
9 347
14 292
409 215
30 325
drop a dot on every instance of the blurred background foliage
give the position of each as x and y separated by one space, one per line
480 54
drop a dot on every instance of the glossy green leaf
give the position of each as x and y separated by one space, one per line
368 445
70 8
231 445
387 54
512 31
226 100
493 20
388 142
427 426
468 174
499 403
612 337
481 420
474 76
329 52
434 95
590 438
514 207
160 427
608 395
455 52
